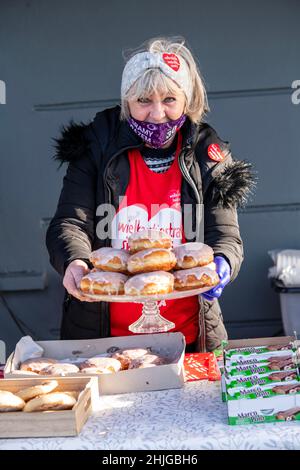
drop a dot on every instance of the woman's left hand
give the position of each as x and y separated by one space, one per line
223 270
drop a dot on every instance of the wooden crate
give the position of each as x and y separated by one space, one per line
48 423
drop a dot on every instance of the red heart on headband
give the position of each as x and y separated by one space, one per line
172 61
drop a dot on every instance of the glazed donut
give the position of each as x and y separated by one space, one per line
110 259
10 402
195 278
37 364
73 393
154 259
146 239
211 266
60 368
191 255
52 401
31 392
134 353
27 373
149 360
124 360
158 282
100 365
127 355
102 282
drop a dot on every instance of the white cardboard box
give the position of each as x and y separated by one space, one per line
169 345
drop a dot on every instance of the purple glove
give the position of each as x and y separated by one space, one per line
223 270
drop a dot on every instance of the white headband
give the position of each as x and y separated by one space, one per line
170 64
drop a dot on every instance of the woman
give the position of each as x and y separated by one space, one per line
153 149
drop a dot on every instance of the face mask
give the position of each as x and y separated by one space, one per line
156 135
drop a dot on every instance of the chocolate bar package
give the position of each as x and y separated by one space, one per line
259 358
261 379
264 410
257 350
264 391
261 367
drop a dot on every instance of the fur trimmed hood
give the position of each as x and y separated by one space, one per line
72 143
234 186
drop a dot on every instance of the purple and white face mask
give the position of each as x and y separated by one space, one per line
156 135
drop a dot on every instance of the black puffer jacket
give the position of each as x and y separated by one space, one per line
98 172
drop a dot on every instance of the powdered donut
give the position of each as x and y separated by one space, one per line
154 259
127 355
211 266
148 360
37 364
150 238
134 353
124 360
10 402
110 259
101 282
60 369
27 373
191 255
31 392
158 282
96 370
73 393
100 365
195 278
52 401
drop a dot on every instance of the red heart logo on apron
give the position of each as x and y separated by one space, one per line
172 61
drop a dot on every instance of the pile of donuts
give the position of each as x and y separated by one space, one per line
114 360
150 267
42 397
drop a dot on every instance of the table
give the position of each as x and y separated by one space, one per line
193 417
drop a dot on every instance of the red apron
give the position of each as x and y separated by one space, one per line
152 200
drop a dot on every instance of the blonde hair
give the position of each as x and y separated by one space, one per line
153 80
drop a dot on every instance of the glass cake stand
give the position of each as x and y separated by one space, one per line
151 321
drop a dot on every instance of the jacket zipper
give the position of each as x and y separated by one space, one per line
187 176
107 165
191 182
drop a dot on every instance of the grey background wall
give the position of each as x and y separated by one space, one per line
62 60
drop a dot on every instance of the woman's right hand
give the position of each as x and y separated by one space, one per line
71 281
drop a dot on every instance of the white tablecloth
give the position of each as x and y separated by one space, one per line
193 417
